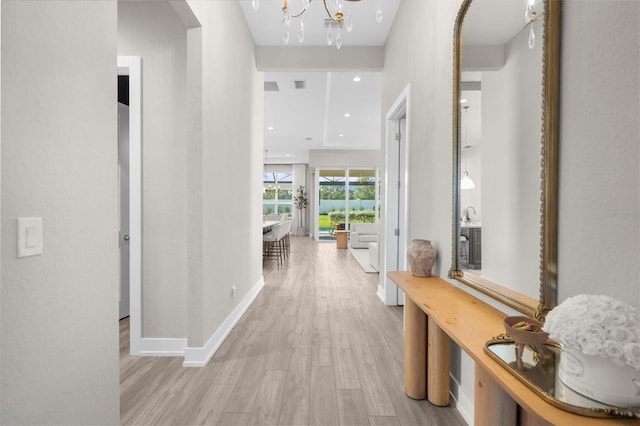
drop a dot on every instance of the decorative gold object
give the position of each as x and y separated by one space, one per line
525 331
549 169
336 18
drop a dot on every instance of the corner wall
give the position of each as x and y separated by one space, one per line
232 156
59 316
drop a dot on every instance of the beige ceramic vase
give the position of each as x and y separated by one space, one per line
421 256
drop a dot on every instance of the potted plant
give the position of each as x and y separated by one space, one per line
300 201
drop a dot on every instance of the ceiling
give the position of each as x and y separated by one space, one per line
495 22
297 120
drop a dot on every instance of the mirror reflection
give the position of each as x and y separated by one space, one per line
500 144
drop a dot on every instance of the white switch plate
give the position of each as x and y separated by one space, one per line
30 236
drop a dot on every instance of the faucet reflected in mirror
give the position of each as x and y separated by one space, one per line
465 214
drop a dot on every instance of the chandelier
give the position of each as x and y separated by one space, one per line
336 19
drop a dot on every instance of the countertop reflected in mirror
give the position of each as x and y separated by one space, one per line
540 373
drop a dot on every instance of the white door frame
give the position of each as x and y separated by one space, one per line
394 256
132 66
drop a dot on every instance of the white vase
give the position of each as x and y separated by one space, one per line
600 378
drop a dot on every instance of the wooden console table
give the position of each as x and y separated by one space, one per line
436 311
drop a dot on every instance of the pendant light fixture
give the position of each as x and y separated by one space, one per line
334 22
530 16
466 182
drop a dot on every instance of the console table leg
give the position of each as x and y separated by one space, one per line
415 350
437 365
527 419
492 405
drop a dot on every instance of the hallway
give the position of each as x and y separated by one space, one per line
317 347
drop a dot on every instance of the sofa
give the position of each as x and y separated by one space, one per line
362 234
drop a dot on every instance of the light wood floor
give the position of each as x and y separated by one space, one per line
317 347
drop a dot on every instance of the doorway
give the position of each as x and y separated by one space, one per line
397 196
123 191
131 198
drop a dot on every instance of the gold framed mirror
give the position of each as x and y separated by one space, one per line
505 243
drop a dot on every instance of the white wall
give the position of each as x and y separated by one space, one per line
370 158
599 159
59 317
599 224
153 31
511 134
232 157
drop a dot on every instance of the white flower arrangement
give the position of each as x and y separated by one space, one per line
597 325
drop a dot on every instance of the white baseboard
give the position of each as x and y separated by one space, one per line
380 293
464 404
151 346
200 356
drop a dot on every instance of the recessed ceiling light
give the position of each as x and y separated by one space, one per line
270 128
347 115
341 135
356 79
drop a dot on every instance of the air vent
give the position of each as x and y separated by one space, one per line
271 86
300 84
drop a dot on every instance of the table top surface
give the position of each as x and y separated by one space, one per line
269 223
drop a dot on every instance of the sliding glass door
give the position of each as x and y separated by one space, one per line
332 207
362 195
345 196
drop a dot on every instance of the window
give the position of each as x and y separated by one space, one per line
277 193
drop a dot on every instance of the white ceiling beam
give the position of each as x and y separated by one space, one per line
363 58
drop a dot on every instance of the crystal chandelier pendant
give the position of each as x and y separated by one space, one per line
287 18
532 37
379 13
339 39
255 4
305 4
286 37
349 21
301 32
329 37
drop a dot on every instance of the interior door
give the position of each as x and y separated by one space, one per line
123 184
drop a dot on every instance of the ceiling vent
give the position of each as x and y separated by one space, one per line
271 86
300 84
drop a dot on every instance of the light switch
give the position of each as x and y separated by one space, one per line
30 241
